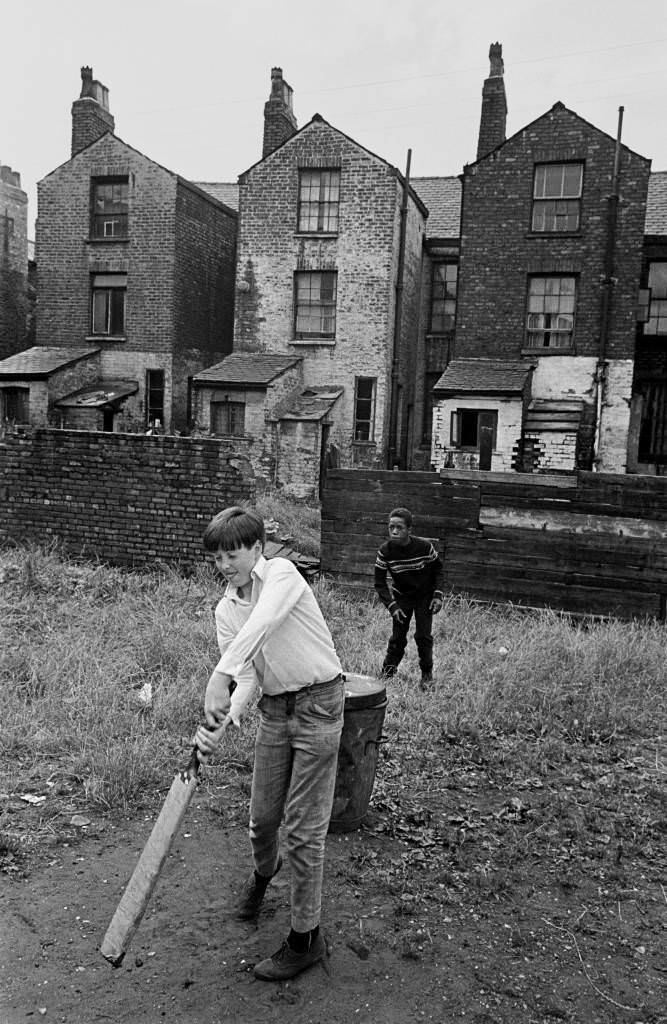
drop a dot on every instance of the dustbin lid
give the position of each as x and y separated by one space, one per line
363 691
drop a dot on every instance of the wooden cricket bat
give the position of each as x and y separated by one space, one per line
139 890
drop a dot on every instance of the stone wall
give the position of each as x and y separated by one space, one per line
124 498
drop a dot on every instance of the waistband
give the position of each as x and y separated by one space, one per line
305 691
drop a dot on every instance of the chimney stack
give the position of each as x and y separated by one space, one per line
279 120
90 113
494 105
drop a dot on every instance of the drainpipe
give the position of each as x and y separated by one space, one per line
398 313
607 294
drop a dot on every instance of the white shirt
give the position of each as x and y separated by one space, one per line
278 639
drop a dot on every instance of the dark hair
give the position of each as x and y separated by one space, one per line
234 528
404 514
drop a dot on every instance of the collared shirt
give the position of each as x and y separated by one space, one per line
278 638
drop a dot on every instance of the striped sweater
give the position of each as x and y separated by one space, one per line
411 571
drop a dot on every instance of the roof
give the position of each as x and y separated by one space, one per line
442 196
249 368
226 192
484 376
42 361
103 392
311 403
656 205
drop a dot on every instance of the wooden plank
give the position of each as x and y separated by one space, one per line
555 521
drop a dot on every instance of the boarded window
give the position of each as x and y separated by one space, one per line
228 418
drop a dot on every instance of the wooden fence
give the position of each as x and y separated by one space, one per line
592 543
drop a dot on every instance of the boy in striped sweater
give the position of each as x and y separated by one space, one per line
409 579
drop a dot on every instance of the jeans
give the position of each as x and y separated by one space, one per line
399 635
294 778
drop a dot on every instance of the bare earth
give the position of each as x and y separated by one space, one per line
471 894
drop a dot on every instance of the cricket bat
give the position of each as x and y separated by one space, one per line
139 889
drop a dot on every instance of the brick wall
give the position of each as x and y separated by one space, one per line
124 498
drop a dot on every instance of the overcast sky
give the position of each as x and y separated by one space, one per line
187 81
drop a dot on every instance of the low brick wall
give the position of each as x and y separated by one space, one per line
127 499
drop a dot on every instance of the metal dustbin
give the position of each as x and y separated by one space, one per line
365 706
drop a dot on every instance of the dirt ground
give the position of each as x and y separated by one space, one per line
471 894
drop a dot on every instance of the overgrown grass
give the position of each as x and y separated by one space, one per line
80 641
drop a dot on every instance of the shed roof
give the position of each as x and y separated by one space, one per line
41 362
311 403
248 368
485 376
103 392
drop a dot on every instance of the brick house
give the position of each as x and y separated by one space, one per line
135 273
16 289
551 367
328 278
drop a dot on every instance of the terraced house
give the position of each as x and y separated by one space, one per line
135 282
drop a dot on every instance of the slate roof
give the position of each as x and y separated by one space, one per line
442 196
311 403
249 368
226 192
41 361
103 392
484 376
656 206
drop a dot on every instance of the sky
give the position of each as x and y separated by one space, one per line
188 81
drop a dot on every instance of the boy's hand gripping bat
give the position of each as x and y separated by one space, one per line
139 890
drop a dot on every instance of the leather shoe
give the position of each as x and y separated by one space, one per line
286 963
252 894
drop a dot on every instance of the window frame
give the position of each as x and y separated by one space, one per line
657 303
231 409
570 201
15 399
547 330
325 208
370 419
446 296
327 307
155 384
110 217
112 292
456 427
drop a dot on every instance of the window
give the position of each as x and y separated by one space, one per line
228 418
653 429
319 193
108 304
550 320
443 297
657 310
16 404
109 207
315 304
557 197
466 426
154 398
364 408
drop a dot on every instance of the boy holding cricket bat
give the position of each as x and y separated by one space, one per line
272 636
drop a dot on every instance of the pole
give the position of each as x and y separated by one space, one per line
398 314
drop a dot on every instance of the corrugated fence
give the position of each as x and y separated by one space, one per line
592 543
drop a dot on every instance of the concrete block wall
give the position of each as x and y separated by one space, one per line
124 498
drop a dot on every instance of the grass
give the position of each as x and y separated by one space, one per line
81 640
